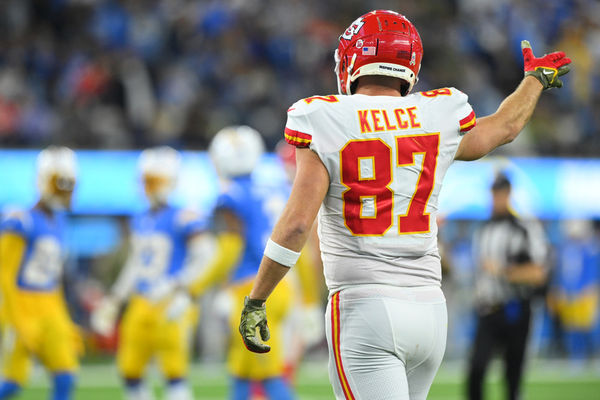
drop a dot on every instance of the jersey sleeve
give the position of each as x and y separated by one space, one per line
463 111
190 222
537 242
298 131
452 105
16 221
232 200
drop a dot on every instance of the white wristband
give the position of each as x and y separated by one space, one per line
280 254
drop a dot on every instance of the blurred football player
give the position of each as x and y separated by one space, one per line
574 293
510 256
243 219
168 245
35 319
372 160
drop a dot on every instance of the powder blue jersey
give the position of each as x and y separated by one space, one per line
258 207
159 239
577 267
42 262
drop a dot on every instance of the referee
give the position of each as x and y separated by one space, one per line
510 257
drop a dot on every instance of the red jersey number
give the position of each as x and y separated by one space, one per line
367 172
371 186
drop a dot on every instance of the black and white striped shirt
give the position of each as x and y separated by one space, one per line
505 241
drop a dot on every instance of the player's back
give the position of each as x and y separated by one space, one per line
32 272
159 243
257 206
386 157
43 256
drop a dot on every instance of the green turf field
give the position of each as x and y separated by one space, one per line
545 381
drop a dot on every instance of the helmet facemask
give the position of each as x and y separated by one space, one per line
157 189
159 169
56 177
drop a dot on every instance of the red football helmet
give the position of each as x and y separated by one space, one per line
380 42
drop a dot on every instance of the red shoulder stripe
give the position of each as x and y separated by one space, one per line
468 128
296 143
467 119
297 134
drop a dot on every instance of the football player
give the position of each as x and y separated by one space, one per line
35 319
371 162
168 246
243 217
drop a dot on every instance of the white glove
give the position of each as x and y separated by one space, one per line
104 317
313 325
179 304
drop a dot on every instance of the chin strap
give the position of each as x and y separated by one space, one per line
349 69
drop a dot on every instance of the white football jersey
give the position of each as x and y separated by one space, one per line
386 157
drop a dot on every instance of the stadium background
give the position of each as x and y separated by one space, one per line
109 78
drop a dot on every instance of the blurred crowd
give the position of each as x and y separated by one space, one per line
136 73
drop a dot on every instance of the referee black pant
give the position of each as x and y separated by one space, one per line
505 331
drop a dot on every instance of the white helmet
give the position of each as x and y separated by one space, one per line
236 150
56 175
159 168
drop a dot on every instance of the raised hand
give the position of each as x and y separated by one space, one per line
545 69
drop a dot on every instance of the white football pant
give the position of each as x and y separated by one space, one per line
385 342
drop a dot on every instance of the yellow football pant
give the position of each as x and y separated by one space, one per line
241 362
578 313
46 333
146 333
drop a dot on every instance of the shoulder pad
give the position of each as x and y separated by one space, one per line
311 104
452 102
447 92
231 197
17 220
184 216
299 127
190 221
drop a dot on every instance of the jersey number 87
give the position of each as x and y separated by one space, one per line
374 186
